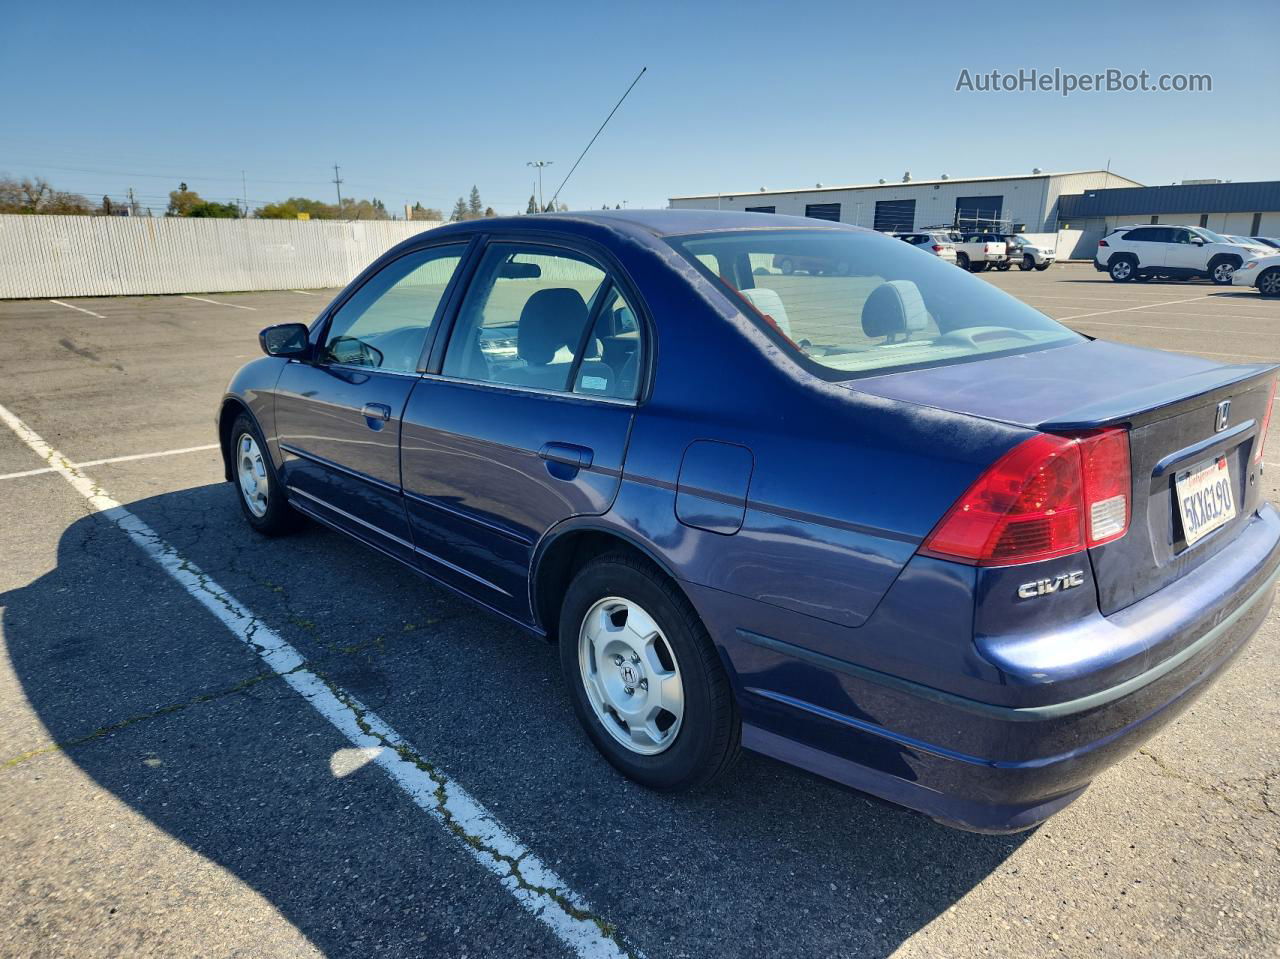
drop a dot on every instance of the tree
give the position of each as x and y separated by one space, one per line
490 211
420 212
37 196
533 204
459 211
220 211
475 209
182 201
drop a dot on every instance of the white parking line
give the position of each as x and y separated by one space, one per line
1127 309
113 459
80 308
520 872
234 306
304 292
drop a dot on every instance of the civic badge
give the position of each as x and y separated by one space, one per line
1224 410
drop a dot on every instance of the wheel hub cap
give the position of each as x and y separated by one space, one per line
251 472
630 676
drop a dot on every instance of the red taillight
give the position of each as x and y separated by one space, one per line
1048 496
1266 422
1102 243
937 248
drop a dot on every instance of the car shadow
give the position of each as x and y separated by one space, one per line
151 697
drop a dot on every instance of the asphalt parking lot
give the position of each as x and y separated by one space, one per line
165 792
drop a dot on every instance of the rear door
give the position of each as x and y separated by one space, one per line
1149 244
338 417
526 421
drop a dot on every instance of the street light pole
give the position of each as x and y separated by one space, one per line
540 164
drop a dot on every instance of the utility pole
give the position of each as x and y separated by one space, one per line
540 164
337 183
244 190
133 204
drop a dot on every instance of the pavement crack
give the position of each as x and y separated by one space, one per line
514 864
243 686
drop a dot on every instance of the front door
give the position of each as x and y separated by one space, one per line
527 422
1182 253
338 418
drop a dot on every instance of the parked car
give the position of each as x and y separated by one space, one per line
977 252
939 244
1262 273
1028 255
1177 252
924 541
1268 241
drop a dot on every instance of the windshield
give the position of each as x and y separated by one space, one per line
1211 236
856 303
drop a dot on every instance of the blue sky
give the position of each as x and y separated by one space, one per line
419 101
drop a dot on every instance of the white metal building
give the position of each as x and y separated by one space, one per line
1027 202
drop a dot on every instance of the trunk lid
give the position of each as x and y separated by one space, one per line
1169 402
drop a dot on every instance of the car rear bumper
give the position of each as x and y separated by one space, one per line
998 768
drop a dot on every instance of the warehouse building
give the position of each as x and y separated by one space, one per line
1027 203
1245 209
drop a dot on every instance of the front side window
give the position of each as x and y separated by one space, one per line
868 304
525 323
384 324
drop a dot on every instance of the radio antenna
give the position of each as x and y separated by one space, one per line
555 195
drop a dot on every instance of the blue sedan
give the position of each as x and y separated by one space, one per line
872 517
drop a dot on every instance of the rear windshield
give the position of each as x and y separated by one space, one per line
855 303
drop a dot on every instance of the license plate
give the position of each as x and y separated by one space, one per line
1205 501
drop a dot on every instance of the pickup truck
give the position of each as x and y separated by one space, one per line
978 251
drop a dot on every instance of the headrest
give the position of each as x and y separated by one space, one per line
550 319
770 304
894 307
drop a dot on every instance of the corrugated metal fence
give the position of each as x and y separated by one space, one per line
116 255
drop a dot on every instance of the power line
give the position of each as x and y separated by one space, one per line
555 195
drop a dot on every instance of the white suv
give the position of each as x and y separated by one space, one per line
1177 252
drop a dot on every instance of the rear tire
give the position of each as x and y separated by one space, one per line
1041 267
980 267
1122 269
1269 283
962 260
625 626
259 491
1003 265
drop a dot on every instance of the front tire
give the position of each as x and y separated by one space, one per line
645 679
1222 272
259 490
1027 263
787 267
1269 283
1041 267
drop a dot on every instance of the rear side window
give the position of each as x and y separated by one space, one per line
854 302
525 322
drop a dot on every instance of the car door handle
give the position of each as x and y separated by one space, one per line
376 411
568 454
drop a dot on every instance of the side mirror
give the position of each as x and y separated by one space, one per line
1198 240
288 340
